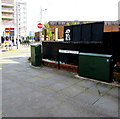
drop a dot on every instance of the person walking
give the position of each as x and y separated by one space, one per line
10 45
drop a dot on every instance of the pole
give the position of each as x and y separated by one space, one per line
41 28
9 38
41 10
17 25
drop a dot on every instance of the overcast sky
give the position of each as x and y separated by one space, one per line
70 10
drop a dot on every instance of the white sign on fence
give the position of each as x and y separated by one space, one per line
68 51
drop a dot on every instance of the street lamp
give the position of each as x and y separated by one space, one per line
18 12
41 10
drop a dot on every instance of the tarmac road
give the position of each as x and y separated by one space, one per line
29 91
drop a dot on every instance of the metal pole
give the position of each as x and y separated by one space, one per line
17 25
41 14
41 10
9 38
40 28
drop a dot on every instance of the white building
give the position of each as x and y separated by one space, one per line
13 14
7 17
21 18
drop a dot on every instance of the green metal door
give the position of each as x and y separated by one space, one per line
96 66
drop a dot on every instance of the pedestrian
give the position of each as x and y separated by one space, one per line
10 45
6 44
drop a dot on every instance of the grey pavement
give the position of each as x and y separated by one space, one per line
29 91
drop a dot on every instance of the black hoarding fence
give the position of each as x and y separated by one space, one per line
51 51
97 31
76 33
91 32
111 42
110 45
86 33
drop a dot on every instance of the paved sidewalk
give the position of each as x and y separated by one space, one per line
29 91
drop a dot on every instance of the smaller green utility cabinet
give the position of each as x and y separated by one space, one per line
96 66
36 57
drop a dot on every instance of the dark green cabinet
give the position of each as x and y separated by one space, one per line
36 57
96 66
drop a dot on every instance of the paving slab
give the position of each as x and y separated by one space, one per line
87 98
72 91
105 103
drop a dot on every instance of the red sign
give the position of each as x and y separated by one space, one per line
39 25
9 30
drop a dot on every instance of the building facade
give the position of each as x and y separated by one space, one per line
21 19
111 26
13 15
7 18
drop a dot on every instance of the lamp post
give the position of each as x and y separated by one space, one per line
41 10
18 7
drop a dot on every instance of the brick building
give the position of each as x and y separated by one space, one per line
109 26
60 25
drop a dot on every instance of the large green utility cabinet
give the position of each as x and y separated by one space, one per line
95 66
36 58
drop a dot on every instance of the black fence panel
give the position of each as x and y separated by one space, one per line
110 45
111 42
51 49
86 32
97 31
77 33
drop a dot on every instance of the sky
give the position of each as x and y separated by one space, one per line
70 10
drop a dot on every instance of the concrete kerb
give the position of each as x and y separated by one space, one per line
97 81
